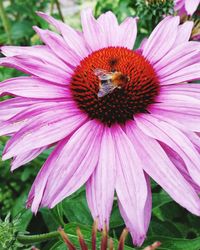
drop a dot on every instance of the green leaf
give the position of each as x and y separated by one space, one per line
116 219
76 209
166 228
169 243
160 199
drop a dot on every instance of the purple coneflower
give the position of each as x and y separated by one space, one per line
116 116
186 6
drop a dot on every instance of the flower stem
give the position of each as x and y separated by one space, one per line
59 10
29 239
5 21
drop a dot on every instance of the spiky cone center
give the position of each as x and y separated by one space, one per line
113 84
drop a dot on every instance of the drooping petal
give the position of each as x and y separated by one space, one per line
11 107
131 187
184 33
23 159
73 39
179 163
34 66
42 52
175 139
157 164
44 131
100 187
27 116
58 46
33 87
161 39
74 165
191 6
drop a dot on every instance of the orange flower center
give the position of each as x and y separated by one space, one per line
113 84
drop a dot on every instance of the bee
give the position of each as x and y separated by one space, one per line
109 81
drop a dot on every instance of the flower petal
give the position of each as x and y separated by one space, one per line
128 30
100 187
186 74
42 52
34 66
157 164
179 163
44 131
191 6
27 116
131 187
74 165
73 39
92 30
110 31
11 107
161 39
175 139
176 54
184 33
23 159
58 46
33 87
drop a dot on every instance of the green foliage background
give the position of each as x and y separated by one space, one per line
171 224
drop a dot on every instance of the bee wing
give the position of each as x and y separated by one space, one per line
106 88
103 74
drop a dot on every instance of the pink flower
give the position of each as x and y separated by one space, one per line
188 6
116 116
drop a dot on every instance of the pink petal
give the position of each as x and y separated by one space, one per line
23 159
74 165
111 35
11 107
161 39
178 162
100 187
28 116
176 54
189 73
180 61
73 39
47 129
131 187
191 6
92 30
175 139
33 87
175 101
42 52
184 33
128 32
58 46
192 90
34 66
157 164
180 118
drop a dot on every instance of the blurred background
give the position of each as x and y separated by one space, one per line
170 223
